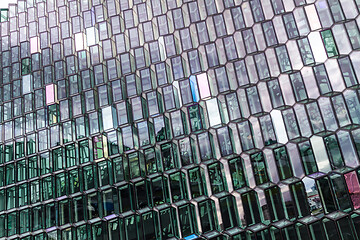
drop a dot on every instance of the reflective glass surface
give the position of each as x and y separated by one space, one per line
180 119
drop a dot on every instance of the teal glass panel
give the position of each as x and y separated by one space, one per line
177 186
188 225
305 51
274 201
283 59
308 158
197 184
168 222
329 43
207 216
300 196
259 168
238 176
283 163
334 152
217 182
251 208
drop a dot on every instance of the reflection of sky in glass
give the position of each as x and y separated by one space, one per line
8 130
279 126
309 184
203 86
107 118
79 42
346 145
213 112
342 42
91 36
334 74
50 94
225 89
194 89
310 82
143 133
313 18
317 47
27 84
321 4
296 165
321 157
34 45
193 236
312 196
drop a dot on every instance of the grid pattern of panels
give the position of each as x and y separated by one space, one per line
180 119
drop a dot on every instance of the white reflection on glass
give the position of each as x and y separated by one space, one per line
213 112
313 17
321 157
92 37
107 117
279 126
34 45
317 47
79 41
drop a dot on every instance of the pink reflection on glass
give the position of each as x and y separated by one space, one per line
353 185
50 94
203 86
34 44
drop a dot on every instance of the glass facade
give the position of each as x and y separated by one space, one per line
180 119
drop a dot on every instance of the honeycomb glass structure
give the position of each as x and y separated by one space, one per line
180 119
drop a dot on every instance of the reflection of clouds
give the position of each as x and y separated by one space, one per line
327 113
317 46
213 112
107 118
279 126
334 74
310 82
321 157
309 184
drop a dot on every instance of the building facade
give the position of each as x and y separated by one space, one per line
180 119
